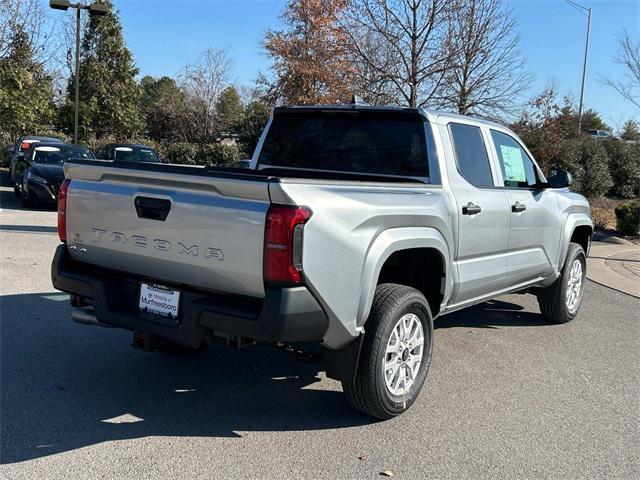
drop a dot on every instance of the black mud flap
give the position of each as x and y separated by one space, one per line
342 365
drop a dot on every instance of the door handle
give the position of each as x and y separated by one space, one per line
471 209
152 208
518 207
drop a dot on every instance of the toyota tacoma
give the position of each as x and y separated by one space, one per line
353 229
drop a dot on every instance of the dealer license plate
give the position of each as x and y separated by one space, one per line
159 300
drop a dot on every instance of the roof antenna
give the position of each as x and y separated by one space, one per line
357 100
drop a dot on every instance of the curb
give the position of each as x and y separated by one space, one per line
602 264
601 237
612 288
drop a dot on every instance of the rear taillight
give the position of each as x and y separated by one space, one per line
283 243
62 210
25 145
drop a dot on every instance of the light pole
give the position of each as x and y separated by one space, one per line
585 11
94 9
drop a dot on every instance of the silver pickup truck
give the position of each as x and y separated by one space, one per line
354 228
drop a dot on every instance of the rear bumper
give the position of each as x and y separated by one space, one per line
285 314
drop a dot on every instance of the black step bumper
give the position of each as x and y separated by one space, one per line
285 314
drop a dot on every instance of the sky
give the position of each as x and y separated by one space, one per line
165 35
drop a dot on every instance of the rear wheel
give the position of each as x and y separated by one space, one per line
395 355
559 302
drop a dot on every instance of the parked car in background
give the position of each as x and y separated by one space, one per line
129 152
39 173
22 145
601 134
241 164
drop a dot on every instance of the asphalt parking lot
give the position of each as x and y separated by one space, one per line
508 396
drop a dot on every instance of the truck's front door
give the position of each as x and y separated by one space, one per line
535 223
482 214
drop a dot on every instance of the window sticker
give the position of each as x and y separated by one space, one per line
513 164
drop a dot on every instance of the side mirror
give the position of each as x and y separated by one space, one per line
559 178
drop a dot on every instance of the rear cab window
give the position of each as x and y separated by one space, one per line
135 154
51 154
352 141
471 154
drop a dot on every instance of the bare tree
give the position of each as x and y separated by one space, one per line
401 46
487 72
30 16
369 81
628 55
203 81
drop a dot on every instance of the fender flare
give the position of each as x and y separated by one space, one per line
574 220
342 364
390 241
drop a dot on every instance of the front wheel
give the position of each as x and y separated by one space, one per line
395 355
559 302
25 201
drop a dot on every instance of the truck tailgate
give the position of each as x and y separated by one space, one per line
173 224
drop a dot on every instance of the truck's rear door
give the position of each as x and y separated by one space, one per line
174 224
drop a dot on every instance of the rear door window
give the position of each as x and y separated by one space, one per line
384 143
471 154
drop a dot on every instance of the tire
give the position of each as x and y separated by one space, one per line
25 201
369 393
556 304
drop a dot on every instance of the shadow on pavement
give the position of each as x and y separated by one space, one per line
492 314
29 229
65 386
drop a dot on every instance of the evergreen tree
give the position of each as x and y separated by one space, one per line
228 110
591 120
630 131
255 118
624 166
164 106
109 93
26 102
596 176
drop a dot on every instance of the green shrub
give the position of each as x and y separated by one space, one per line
569 158
5 141
595 179
207 154
628 218
624 164
220 154
184 153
